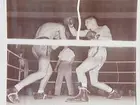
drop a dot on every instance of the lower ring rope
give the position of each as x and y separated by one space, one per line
15 67
10 79
118 73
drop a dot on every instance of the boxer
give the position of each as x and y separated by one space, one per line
94 61
42 53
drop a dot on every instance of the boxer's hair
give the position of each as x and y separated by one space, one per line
90 18
66 46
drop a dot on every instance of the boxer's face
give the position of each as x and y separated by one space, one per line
90 23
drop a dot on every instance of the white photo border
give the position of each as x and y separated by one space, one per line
4 42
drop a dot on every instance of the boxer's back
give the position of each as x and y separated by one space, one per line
49 30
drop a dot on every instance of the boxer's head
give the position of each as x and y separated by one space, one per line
91 23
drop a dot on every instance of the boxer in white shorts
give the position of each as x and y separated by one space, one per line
94 61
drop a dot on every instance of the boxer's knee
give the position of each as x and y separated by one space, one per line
80 70
49 73
94 82
41 74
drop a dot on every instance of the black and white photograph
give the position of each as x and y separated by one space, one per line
74 75
59 19
87 52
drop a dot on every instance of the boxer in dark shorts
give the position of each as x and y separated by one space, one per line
42 53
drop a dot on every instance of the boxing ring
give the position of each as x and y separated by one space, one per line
28 100
19 68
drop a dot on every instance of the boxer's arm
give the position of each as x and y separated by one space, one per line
74 32
62 33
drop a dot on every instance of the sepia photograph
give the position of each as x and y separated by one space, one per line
42 74
73 71
58 19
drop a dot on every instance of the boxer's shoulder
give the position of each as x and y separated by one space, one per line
53 24
105 27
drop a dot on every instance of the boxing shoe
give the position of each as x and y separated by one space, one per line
114 95
12 95
81 97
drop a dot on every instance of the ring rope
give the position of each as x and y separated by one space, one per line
109 72
75 61
15 67
126 83
13 53
10 79
116 62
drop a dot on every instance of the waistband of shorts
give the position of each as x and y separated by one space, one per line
43 37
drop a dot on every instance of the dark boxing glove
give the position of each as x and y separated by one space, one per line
92 35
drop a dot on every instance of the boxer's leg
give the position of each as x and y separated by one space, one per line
80 71
43 66
41 94
89 64
94 74
86 66
94 80
44 81
39 52
43 52
12 92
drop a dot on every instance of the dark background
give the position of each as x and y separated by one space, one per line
25 17
114 54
